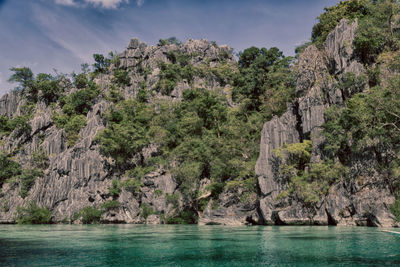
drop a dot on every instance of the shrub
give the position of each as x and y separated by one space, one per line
115 189
81 81
100 63
168 41
110 205
39 159
126 131
49 86
328 20
121 77
33 214
132 185
172 199
27 179
89 215
23 76
395 209
146 210
183 217
8 168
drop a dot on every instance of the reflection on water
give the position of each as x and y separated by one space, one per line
169 245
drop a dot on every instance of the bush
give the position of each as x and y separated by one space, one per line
27 180
33 214
168 41
132 185
172 199
39 159
8 168
115 189
81 81
126 131
49 86
395 209
146 211
89 215
110 205
183 217
121 77
328 20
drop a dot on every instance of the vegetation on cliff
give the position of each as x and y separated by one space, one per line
213 133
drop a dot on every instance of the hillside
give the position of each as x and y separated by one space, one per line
185 133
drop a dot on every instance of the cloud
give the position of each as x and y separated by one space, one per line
140 2
66 2
107 4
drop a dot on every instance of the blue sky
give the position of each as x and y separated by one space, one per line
61 34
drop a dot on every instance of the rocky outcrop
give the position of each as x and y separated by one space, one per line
143 62
348 202
79 176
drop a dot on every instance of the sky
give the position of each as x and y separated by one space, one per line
48 35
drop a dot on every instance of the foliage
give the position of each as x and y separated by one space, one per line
27 179
368 124
89 215
183 217
146 210
110 205
121 77
81 101
395 209
33 214
74 110
72 125
132 185
375 32
370 120
39 159
81 80
23 76
328 20
308 182
265 81
115 188
8 168
49 87
172 199
126 132
171 74
101 63
169 41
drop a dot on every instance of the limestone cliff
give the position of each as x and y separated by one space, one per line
351 202
79 175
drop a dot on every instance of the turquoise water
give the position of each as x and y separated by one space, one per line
170 245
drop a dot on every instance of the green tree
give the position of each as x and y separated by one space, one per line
265 81
8 168
33 214
328 20
23 76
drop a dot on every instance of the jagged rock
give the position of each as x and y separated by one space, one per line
230 210
9 104
318 72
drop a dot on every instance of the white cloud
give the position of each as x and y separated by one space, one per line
140 2
107 4
66 2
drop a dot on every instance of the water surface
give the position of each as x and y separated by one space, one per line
178 245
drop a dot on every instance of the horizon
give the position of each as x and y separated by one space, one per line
60 35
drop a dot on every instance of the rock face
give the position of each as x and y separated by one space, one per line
364 202
79 176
